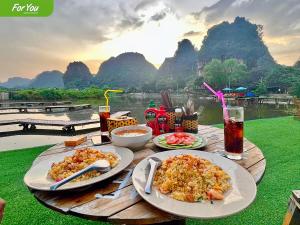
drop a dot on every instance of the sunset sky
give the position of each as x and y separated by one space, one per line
94 30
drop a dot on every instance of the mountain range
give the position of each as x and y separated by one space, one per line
127 69
240 39
16 82
46 79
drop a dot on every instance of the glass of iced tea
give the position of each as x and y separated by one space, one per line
234 132
104 113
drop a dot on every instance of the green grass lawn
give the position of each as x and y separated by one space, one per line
278 138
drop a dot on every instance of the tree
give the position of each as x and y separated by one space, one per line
235 71
261 88
149 86
283 76
166 83
197 83
220 74
215 74
297 64
296 89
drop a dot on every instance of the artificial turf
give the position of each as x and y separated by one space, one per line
278 138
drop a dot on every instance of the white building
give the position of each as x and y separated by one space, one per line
4 96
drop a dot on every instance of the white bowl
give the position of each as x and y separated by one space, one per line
131 142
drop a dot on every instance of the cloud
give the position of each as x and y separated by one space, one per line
158 16
128 17
188 6
192 33
67 33
144 4
278 17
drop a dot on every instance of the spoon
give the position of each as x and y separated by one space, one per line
99 165
154 164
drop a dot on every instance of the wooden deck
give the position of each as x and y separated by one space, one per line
8 122
49 108
268 100
17 103
244 101
30 124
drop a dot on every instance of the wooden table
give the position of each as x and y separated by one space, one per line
128 207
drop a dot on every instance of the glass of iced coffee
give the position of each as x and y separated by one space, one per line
234 132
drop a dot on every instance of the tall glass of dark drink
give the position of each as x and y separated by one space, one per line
104 113
234 132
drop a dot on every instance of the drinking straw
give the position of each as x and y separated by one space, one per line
107 96
220 96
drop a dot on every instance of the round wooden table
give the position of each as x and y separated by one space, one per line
118 202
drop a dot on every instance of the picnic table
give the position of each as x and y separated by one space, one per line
120 203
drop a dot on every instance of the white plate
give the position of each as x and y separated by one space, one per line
37 177
157 138
239 197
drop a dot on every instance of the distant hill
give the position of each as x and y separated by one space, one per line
48 79
77 75
16 82
126 70
297 64
183 65
240 39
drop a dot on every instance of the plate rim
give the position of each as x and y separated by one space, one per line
202 145
83 185
186 216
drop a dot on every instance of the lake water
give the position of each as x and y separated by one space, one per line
209 111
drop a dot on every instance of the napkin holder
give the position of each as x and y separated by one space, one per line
172 117
190 123
121 121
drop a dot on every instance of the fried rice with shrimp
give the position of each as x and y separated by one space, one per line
190 178
81 159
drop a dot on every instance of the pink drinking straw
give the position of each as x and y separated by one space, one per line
220 96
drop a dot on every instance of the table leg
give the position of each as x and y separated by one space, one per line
174 222
292 216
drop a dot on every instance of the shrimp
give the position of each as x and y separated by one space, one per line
215 195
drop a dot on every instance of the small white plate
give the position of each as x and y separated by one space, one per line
239 197
37 177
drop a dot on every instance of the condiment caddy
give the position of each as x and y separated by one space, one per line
167 118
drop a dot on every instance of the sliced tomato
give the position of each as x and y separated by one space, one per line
180 134
191 138
180 138
171 140
179 141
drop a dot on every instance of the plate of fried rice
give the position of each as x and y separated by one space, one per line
60 166
196 184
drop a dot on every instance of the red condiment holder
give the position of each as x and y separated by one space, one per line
157 119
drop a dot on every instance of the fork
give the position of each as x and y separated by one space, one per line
99 165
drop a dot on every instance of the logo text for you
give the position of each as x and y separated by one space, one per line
28 8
